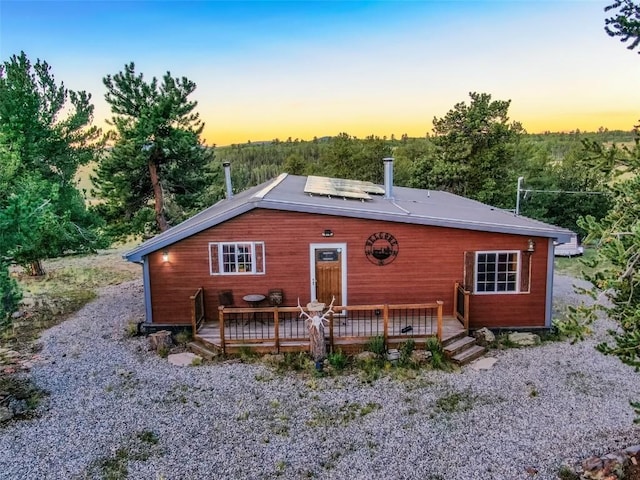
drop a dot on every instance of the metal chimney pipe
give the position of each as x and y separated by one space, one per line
227 178
388 177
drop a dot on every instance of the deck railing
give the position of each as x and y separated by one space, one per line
197 310
461 304
350 324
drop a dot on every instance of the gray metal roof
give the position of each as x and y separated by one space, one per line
409 205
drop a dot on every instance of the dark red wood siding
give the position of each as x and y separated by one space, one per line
430 260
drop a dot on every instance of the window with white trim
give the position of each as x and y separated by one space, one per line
236 258
497 272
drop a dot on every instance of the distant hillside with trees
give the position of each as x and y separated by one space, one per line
484 166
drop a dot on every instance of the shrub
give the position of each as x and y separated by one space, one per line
567 473
10 295
438 358
377 346
246 354
131 330
298 361
183 337
338 360
406 350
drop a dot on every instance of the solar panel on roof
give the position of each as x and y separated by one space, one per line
338 187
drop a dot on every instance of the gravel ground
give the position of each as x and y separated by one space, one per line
537 408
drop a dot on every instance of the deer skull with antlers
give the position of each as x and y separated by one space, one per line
316 321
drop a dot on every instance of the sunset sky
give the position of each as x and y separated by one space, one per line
296 69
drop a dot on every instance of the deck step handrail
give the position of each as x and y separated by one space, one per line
461 304
197 310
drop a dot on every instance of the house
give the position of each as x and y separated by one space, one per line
308 238
572 248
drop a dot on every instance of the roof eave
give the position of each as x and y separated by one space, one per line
169 238
555 233
401 216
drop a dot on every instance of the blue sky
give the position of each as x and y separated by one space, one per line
277 69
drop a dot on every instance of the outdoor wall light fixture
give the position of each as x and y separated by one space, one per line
327 233
531 245
165 256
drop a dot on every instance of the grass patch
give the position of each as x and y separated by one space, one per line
70 283
455 402
567 473
139 447
345 414
338 360
247 354
406 350
575 266
183 337
503 342
20 395
552 335
439 360
376 345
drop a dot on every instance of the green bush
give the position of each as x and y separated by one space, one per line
246 354
183 337
338 360
406 350
10 296
438 358
297 361
377 346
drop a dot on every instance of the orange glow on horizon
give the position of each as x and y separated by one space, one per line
213 134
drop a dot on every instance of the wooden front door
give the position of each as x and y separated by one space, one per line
327 274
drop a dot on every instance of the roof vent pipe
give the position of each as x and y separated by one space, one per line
388 177
227 178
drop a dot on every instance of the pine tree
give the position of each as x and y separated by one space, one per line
157 171
45 135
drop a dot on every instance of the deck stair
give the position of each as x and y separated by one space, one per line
463 350
200 348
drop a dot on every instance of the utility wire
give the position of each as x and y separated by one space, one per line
563 191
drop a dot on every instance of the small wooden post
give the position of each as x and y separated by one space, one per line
276 327
331 331
221 325
194 327
203 313
455 299
385 327
440 303
466 310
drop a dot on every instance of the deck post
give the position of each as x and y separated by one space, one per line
385 318
440 303
331 332
202 310
221 323
194 327
466 310
276 327
455 299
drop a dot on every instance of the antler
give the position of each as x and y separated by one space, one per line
333 299
302 312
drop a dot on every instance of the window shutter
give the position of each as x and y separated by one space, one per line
214 261
469 270
525 272
259 257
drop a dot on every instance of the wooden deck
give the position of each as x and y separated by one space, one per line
347 333
277 329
